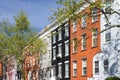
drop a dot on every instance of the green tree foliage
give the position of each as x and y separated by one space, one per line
14 38
69 9
112 78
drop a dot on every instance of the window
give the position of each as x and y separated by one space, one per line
59 34
84 42
66 69
94 38
108 6
54 53
74 26
83 21
74 68
59 50
66 48
74 45
106 65
49 54
31 62
84 66
94 15
60 70
66 30
96 67
54 72
108 33
54 37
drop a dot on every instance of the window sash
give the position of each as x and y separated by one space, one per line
59 35
96 67
66 31
67 48
94 15
60 71
74 68
83 21
74 26
74 45
106 65
66 69
54 53
84 42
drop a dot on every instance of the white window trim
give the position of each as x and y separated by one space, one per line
84 66
73 67
55 53
60 64
68 46
67 62
53 34
60 32
74 26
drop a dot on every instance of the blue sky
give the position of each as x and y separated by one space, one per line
37 10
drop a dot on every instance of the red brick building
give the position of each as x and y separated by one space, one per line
83 45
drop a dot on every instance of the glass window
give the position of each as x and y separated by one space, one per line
94 15
74 68
74 26
54 53
67 69
66 30
59 34
83 21
94 37
106 65
96 67
84 42
84 66
60 50
108 33
66 48
54 37
74 45
60 70
31 62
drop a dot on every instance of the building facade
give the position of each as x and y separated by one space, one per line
107 62
46 68
85 44
61 51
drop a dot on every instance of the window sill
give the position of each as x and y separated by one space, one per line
74 76
74 52
66 76
83 27
83 50
94 22
74 32
84 75
94 46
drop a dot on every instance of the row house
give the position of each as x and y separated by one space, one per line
31 65
107 62
46 67
85 44
61 51
79 51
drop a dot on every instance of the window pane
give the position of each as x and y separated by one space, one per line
66 48
66 69
96 67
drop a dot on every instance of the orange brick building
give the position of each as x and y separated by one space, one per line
31 65
85 43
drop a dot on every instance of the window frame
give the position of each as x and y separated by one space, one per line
67 71
75 68
84 42
84 66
